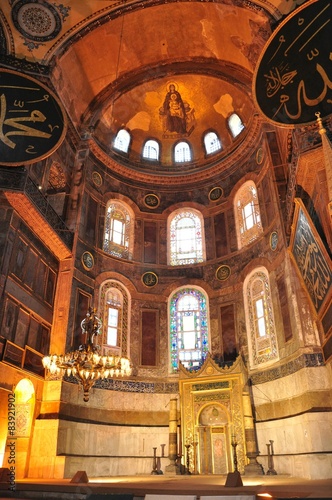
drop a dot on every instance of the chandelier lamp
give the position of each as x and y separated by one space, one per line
86 364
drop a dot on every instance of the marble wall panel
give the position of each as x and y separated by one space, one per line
105 467
110 441
292 385
302 444
43 460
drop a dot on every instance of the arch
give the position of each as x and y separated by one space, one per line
235 125
212 142
182 152
186 242
247 214
151 150
114 311
119 229
262 336
213 429
122 140
189 328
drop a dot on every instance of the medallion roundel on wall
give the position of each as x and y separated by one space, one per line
223 273
151 200
36 20
216 193
149 279
87 261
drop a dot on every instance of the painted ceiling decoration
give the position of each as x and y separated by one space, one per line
167 71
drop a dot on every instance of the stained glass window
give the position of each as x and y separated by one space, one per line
248 219
235 124
122 140
151 150
211 142
182 152
117 234
185 238
188 329
263 339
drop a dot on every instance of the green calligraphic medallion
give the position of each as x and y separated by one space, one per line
32 120
293 79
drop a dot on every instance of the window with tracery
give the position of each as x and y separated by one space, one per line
211 142
186 238
247 213
114 312
114 317
151 150
182 152
122 140
118 230
235 125
262 340
189 335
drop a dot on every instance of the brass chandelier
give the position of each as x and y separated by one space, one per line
86 364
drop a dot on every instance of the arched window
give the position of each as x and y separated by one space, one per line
262 339
114 312
186 237
235 125
212 143
122 140
182 152
247 214
188 328
118 230
151 150
114 301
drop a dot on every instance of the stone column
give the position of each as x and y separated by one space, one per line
172 468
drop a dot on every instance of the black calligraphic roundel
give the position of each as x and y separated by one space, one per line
32 121
293 78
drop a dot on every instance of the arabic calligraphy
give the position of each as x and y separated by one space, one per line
149 279
32 123
293 79
311 262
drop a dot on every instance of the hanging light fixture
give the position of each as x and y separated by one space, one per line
86 364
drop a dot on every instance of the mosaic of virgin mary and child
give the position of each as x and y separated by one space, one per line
177 116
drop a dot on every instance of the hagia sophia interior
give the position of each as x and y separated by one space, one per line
166 237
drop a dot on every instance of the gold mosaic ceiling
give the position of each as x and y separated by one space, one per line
112 62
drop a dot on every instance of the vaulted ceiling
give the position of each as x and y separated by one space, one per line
112 62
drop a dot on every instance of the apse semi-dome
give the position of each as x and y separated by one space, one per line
208 115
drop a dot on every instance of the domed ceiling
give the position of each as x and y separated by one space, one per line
112 63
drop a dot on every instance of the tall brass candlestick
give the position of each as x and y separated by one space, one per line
173 421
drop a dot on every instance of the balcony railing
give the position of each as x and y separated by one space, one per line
17 180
